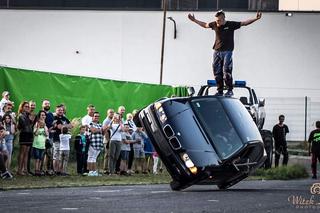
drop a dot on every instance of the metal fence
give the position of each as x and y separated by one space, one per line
300 115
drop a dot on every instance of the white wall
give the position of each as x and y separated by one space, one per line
277 55
302 5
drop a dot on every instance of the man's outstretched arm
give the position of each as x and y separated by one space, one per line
250 21
201 23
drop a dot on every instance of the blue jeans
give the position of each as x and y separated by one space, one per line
222 69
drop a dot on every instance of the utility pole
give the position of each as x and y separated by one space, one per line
164 3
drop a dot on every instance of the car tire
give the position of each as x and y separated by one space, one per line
176 185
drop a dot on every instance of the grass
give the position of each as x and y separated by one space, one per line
282 173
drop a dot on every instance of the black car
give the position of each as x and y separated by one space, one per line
203 139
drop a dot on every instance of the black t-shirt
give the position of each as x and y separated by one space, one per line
224 35
314 138
279 134
56 121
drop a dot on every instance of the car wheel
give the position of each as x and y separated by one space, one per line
175 185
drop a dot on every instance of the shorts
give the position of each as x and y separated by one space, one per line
64 155
38 153
139 153
56 149
124 155
93 155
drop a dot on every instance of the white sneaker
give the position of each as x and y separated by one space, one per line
91 173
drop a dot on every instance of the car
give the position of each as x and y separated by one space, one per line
203 139
246 95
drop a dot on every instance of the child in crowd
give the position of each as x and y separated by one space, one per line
82 147
10 129
148 150
64 151
41 134
125 150
5 174
138 148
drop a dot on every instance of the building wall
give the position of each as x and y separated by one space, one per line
302 5
278 55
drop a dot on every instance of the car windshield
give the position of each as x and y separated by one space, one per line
217 125
241 93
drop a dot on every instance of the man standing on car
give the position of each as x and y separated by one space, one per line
223 47
279 132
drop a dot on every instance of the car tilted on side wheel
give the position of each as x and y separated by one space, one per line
203 139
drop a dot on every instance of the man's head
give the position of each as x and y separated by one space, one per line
129 117
126 127
91 109
46 105
121 111
281 119
6 95
95 117
8 107
220 18
59 110
83 129
318 124
32 105
110 113
65 130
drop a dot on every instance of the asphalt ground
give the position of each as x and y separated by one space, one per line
246 196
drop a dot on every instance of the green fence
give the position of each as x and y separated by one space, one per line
77 92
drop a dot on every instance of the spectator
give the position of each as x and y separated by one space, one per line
82 147
130 122
87 119
7 109
4 173
10 129
148 150
155 162
132 128
64 150
4 100
39 143
32 116
125 149
122 111
58 123
279 134
106 140
48 161
96 144
116 127
138 148
25 136
314 140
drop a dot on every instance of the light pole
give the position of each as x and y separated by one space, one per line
164 3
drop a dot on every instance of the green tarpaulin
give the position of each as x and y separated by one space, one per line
77 92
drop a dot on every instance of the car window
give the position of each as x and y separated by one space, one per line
217 125
242 120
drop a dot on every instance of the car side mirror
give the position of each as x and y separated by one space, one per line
191 91
262 102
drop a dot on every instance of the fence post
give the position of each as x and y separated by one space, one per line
305 117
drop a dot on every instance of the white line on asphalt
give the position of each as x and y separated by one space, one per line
70 209
155 192
23 193
213 200
103 191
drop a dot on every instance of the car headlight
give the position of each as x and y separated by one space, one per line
160 112
188 162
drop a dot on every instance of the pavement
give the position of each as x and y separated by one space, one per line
246 196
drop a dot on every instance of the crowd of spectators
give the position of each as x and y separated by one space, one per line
45 137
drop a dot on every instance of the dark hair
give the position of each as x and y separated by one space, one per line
1 127
281 116
318 124
64 130
82 126
220 12
6 115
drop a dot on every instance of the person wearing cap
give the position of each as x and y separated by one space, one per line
223 47
4 100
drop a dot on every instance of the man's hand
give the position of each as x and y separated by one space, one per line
191 17
259 15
